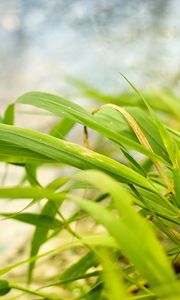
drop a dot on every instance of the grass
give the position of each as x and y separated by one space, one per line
121 240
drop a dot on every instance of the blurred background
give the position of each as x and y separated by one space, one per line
44 40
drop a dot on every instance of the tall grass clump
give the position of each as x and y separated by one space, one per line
108 226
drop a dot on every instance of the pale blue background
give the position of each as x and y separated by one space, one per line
41 40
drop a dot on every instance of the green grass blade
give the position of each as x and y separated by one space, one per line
12 153
115 288
169 142
28 193
65 108
62 128
176 174
40 234
69 153
91 240
35 219
79 268
164 101
147 257
9 115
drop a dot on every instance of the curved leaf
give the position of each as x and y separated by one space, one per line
69 153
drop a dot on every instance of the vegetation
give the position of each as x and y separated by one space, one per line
121 238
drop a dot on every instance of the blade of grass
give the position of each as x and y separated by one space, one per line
147 257
169 142
69 153
115 288
62 107
79 268
62 128
35 219
93 240
9 115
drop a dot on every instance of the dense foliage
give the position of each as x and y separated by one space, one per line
121 238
